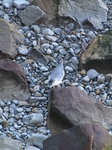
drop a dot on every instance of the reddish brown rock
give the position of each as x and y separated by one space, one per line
86 136
13 81
10 39
73 106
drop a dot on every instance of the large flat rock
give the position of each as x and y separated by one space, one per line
73 106
13 81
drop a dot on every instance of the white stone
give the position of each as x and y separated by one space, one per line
43 68
21 4
23 50
68 68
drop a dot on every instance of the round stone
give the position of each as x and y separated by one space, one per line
92 73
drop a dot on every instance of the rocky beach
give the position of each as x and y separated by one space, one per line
24 71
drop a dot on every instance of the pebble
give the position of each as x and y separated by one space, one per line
92 73
23 50
33 119
48 31
68 68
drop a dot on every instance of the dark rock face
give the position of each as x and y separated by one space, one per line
13 81
31 15
99 54
75 107
86 136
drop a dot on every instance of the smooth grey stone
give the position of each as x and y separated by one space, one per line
86 78
48 31
33 119
43 68
51 38
58 31
101 86
68 68
92 73
74 61
36 28
71 26
45 45
84 44
75 45
65 44
62 52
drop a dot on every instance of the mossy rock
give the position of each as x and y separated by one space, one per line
99 54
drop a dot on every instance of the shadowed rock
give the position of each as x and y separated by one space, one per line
86 136
13 81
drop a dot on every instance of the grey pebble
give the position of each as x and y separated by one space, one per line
92 73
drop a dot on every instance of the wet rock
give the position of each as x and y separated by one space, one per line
31 15
83 137
10 144
73 106
12 75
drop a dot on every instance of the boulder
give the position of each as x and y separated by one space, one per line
73 106
99 54
10 39
10 144
32 15
82 10
86 136
50 7
13 81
